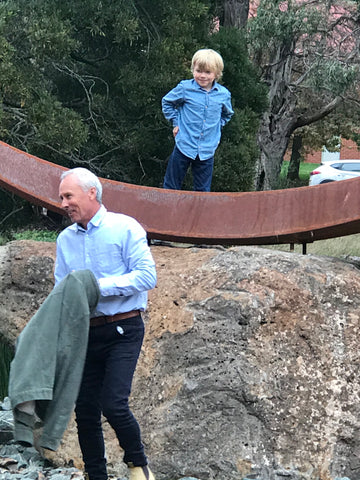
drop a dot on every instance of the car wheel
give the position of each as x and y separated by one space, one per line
326 181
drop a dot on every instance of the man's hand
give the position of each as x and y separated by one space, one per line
175 131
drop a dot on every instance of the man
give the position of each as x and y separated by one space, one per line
114 247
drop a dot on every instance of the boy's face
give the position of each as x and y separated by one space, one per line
205 78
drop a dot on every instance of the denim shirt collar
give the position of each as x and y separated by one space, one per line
214 87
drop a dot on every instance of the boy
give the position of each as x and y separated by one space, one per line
198 109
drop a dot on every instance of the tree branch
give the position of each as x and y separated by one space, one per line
322 113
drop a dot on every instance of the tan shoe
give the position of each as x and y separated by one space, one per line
141 473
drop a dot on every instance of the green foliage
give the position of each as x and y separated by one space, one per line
342 123
33 38
14 211
234 160
279 23
333 76
240 75
49 36
47 114
308 53
81 82
36 235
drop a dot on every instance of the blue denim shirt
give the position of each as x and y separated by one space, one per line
199 114
114 247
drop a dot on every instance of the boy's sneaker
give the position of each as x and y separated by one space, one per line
141 473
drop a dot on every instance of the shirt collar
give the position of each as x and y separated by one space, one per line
95 221
214 87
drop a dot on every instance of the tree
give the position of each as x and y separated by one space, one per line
81 83
233 13
342 123
308 52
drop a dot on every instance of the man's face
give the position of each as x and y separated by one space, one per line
80 206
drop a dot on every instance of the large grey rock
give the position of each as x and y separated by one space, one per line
25 280
249 367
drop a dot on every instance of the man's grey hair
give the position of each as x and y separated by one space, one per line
86 180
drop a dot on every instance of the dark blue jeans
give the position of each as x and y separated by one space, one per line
113 351
177 167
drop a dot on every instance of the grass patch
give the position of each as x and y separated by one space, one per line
304 175
31 234
37 235
306 169
331 247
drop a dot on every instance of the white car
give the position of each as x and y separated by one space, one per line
333 171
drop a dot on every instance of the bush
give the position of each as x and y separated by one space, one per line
37 235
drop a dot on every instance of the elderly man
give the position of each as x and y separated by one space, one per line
114 247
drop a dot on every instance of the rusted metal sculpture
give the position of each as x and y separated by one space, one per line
298 215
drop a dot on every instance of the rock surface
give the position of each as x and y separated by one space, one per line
249 367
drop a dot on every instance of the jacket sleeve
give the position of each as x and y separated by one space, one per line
171 102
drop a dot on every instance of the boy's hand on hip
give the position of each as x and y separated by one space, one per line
175 131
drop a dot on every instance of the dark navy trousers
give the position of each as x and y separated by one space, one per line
112 354
177 167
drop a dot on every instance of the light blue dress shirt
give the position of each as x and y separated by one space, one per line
199 114
114 247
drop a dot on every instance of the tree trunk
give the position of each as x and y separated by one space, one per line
293 171
279 121
236 13
272 151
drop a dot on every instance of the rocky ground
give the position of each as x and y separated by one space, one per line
26 463
249 368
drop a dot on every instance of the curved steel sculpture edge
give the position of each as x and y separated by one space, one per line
299 215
